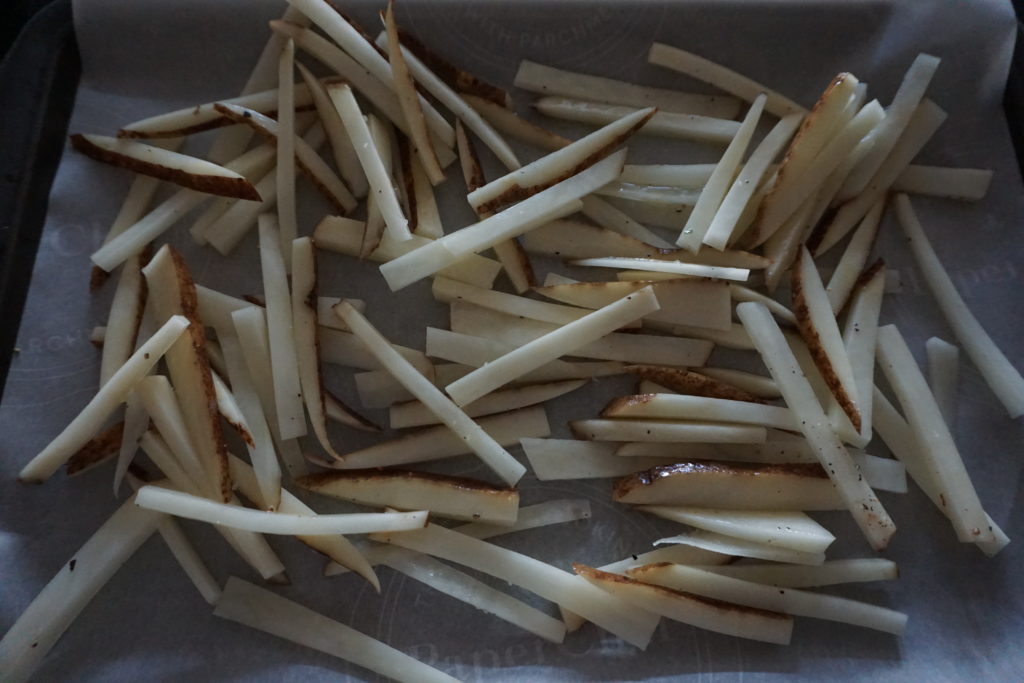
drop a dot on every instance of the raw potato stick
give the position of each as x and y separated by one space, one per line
1004 379
965 184
943 368
181 169
508 123
855 257
284 363
932 434
496 457
557 343
867 510
547 80
258 608
284 172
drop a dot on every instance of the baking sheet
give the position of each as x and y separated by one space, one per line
148 623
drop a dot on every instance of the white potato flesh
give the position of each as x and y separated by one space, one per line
943 371
927 119
258 608
932 433
226 232
721 77
1004 379
436 443
684 407
345 236
898 116
726 221
854 491
284 362
687 608
607 216
495 456
965 184
662 124
547 80
547 170
547 581
53 610
104 403
124 319
830 573
786 529
559 342
284 172
345 348
758 385
450 497
508 123
556 459
663 197
693 176
742 293
188 506
855 257
709 540
660 431
714 190
345 159
447 290
325 315
786 600
665 266
416 414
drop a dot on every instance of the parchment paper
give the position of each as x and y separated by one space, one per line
149 624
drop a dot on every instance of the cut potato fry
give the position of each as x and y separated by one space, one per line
792 530
710 199
546 205
617 346
306 159
345 236
663 197
572 239
732 486
508 123
546 80
783 247
446 290
495 456
943 368
250 327
436 443
830 573
758 385
854 491
897 120
607 216
227 232
284 363
820 331
741 293
340 30
692 176
180 169
96 450
202 117
927 119
337 411
345 348
725 224
860 333
416 414
668 216
665 266
258 608
325 315
458 106
544 349
556 459
53 610
661 124
306 337
338 548
932 433
476 352
558 166
160 402
442 496
284 172
787 601
125 317
345 159
965 184
721 77
188 506
683 302
409 98
851 265
676 407
687 382
547 581
709 540
1004 380
458 79
672 432
712 615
